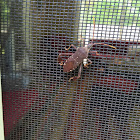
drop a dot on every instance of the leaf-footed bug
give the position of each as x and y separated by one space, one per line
78 57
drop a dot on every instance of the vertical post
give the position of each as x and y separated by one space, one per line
1 113
56 18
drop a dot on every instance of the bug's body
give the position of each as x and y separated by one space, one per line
76 59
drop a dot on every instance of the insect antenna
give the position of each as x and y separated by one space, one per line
93 27
93 36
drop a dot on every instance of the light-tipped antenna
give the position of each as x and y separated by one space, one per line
93 27
93 36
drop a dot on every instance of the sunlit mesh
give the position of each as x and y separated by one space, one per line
39 102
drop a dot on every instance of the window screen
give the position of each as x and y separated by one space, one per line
39 100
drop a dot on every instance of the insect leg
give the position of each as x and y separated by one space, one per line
90 62
71 46
60 61
96 53
79 74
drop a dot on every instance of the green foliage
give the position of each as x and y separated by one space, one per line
114 12
4 11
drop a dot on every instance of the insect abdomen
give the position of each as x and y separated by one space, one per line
75 60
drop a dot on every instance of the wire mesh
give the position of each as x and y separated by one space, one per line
39 102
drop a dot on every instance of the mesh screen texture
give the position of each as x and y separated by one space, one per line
39 102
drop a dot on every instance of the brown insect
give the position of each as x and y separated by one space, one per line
77 58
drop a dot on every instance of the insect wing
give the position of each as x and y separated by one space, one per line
68 66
